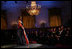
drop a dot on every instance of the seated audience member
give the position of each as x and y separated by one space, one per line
51 32
68 36
58 33
40 36
69 29
28 34
62 35
31 36
51 38
36 35
54 32
54 35
40 32
68 32
65 28
63 32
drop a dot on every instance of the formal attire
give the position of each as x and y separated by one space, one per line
22 38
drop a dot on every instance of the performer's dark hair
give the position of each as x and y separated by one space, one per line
19 17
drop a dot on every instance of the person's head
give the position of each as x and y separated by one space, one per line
36 32
62 27
32 31
20 18
40 31
59 28
51 29
68 28
28 32
54 29
65 29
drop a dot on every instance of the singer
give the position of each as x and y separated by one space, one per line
22 37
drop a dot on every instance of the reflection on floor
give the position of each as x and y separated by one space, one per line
8 46
28 46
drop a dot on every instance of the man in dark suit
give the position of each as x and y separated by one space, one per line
62 34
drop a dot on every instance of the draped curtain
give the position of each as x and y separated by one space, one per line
54 16
28 21
55 21
3 24
3 20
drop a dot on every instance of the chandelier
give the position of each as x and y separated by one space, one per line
33 8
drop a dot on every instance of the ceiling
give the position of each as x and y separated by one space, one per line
18 4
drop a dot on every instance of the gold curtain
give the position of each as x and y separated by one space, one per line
28 21
3 24
55 21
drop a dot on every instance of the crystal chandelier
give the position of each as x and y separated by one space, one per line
33 9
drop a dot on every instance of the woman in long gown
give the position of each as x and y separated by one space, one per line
22 37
